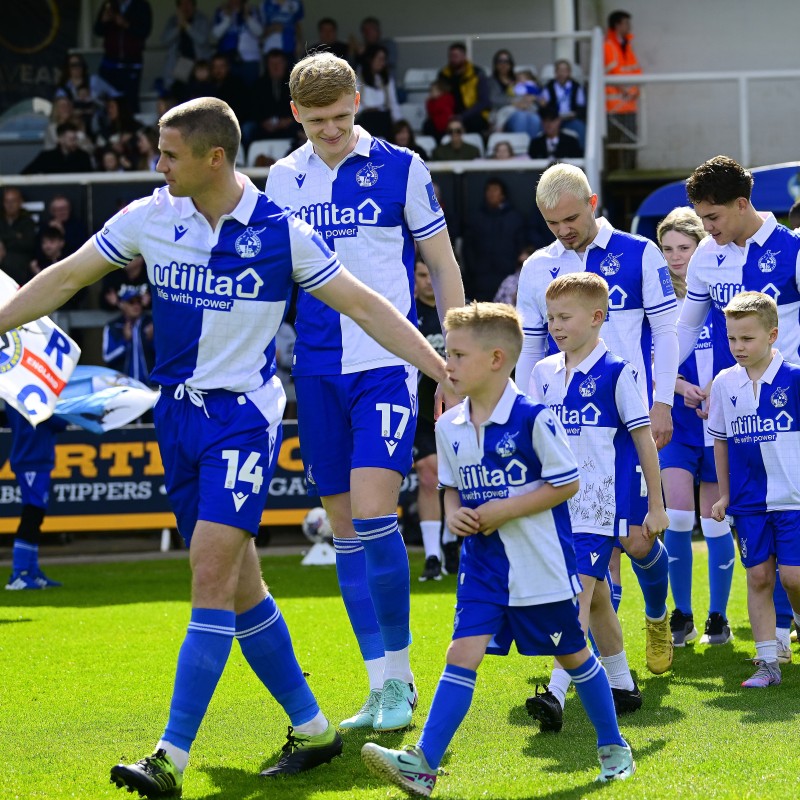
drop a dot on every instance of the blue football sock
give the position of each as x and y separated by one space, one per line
202 658
678 541
615 591
267 646
451 701
653 574
351 570
721 561
388 577
24 556
594 691
783 608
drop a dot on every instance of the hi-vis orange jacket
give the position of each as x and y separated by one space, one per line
621 60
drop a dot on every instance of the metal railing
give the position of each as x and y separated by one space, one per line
742 79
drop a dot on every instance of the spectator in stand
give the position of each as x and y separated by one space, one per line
328 32
379 107
440 106
502 151
456 149
59 215
501 88
527 99
622 102
553 143
121 281
507 291
227 86
66 156
494 236
18 234
199 84
236 32
283 27
187 37
403 136
568 98
124 26
371 35
64 111
128 339
469 86
116 128
108 160
273 113
147 148
74 82
52 250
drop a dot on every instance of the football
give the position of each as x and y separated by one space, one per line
316 527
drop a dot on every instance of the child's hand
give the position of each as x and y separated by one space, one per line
490 517
464 522
719 508
693 395
655 522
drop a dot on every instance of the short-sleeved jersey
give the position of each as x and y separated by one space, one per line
431 328
770 264
763 435
220 295
639 290
529 560
369 209
698 368
598 405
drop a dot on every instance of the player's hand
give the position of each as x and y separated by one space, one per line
444 398
655 522
702 412
464 522
693 396
661 423
719 508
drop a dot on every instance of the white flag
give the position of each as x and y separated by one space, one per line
36 361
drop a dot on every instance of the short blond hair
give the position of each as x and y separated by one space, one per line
495 324
321 79
561 179
757 304
587 287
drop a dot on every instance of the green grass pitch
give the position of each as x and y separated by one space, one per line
87 670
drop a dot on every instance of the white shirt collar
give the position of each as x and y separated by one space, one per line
501 412
586 365
765 231
769 374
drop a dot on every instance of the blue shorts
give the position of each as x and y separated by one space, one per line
219 458
638 497
365 419
771 533
34 488
592 553
549 629
697 460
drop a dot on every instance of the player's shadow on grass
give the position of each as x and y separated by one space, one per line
13 621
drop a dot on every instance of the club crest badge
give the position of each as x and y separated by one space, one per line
610 264
768 262
248 245
588 387
506 446
368 175
779 398
10 350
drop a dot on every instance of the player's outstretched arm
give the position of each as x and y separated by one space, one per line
656 520
53 286
383 322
